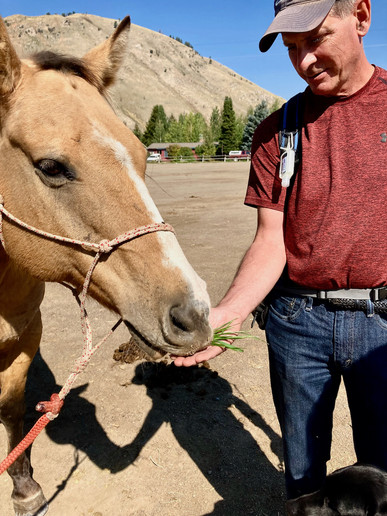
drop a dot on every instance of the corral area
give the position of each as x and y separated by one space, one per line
147 439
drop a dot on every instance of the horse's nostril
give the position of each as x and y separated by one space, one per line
183 319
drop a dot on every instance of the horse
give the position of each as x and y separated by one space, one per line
69 167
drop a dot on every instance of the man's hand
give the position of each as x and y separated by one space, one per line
218 317
200 356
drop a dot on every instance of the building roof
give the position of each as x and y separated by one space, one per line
163 146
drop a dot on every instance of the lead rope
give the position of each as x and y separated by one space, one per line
52 408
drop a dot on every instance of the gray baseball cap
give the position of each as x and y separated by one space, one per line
295 16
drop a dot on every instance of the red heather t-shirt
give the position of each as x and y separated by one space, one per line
336 217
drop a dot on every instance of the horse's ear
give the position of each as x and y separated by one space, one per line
105 59
10 64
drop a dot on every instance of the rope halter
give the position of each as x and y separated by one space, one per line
103 247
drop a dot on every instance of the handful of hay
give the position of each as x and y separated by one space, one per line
223 334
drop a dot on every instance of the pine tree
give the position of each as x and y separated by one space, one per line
228 138
159 131
137 132
156 127
260 113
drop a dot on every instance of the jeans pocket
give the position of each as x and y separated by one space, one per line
288 308
381 319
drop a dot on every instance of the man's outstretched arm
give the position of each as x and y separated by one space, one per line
258 272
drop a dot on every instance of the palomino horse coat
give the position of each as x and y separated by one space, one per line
70 167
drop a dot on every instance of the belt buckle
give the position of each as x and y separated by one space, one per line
378 294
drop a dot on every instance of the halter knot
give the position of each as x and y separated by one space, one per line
104 246
53 406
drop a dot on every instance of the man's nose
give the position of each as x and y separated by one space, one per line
305 58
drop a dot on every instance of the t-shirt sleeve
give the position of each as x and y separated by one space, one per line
264 187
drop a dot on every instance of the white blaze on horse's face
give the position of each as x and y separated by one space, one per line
123 158
173 256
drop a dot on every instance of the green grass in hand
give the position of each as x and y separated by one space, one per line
223 334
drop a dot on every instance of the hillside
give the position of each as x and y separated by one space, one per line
157 70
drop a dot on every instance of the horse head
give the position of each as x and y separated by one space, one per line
70 167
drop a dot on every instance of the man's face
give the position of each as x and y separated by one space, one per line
327 57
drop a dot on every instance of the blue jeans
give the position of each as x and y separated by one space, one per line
311 346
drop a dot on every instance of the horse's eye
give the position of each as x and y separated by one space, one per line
50 167
53 173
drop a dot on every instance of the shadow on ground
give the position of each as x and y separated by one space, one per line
199 405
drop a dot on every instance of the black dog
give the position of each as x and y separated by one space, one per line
352 491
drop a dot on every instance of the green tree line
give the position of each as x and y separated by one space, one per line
223 132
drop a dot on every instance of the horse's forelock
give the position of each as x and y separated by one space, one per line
67 64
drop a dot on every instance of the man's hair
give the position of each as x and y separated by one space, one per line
343 8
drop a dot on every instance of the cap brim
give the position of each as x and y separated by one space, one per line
296 18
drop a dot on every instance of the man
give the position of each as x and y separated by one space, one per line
324 239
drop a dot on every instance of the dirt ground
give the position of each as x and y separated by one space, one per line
147 439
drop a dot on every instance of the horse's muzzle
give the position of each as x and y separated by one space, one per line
183 330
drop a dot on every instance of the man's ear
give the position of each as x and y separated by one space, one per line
363 15
10 64
105 59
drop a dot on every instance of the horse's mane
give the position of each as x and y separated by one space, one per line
47 60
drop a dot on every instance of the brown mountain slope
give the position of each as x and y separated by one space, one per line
158 69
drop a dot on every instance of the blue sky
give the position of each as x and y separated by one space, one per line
227 30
